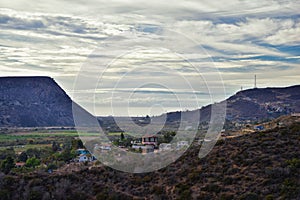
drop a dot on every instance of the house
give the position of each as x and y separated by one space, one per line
223 134
85 158
295 114
20 164
103 147
82 151
165 147
259 127
149 140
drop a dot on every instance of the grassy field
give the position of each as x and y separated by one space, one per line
37 135
119 133
23 140
20 148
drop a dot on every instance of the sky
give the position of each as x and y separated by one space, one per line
137 57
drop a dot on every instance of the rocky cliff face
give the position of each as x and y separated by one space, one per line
33 102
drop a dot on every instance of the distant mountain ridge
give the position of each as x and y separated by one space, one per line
33 102
41 102
255 104
263 103
252 104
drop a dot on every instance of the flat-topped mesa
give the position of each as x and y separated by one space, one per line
34 102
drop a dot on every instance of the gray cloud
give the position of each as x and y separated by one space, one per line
243 38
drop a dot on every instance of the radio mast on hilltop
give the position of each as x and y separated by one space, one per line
255 86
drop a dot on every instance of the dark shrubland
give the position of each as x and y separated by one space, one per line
263 165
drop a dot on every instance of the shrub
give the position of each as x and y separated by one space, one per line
7 165
293 163
33 162
5 194
213 188
158 190
289 188
269 197
35 195
249 196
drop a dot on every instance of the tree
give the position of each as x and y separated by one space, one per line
51 166
33 162
7 165
34 152
23 157
122 136
77 144
6 153
67 155
55 146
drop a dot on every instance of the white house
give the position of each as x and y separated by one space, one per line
165 147
295 114
105 147
85 158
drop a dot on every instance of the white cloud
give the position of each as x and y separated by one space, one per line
55 37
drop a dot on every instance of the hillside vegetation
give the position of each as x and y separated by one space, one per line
262 165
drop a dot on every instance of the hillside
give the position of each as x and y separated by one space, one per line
264 103
41 102
262 165
33 102
247 105
254 104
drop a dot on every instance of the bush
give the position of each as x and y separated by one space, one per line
158 190
51 166
249 196
33 162
5 194
293 163
269 197
23 157
226 196
289 188
7 165
35 195
213 188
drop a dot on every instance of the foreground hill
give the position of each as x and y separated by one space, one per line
262 165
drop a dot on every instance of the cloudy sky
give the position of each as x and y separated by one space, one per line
142 57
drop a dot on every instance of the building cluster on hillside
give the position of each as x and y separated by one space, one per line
147 144
276 107
84 156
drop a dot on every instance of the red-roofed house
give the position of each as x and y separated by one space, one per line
149 140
